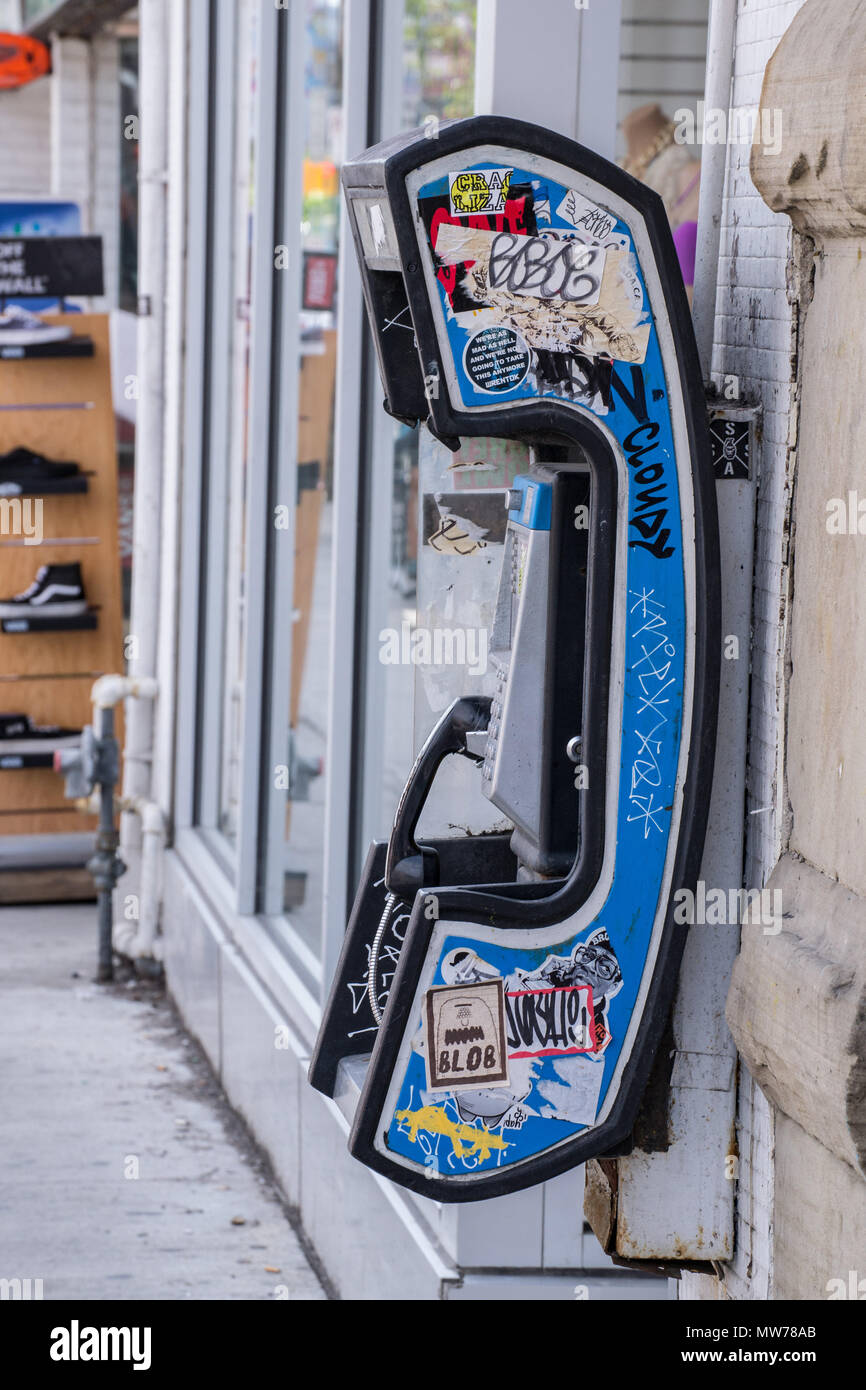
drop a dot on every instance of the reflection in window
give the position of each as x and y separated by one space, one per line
438 67
309 696
438 60
235 575
437 80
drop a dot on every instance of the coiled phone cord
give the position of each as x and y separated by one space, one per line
374 957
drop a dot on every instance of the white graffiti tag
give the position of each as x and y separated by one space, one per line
652 654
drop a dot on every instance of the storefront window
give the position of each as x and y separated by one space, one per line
238 425
32 9
438 60
128 288
308 697
437 81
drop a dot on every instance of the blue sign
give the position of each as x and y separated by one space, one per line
37 218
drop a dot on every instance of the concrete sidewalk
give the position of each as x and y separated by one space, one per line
123 1174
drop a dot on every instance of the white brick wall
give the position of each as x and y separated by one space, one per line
653 33
754 340
70 123
106 118
25 140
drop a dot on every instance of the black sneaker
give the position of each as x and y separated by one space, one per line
14 725
23 470
56 592
18 734
20 328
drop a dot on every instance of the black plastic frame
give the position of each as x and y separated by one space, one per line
388 165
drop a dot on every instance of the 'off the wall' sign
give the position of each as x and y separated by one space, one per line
50 267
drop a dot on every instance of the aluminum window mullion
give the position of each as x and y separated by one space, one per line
351 329
282 570
216 490
166 711
199 55
387 115
261 393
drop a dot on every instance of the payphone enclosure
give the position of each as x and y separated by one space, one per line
515 986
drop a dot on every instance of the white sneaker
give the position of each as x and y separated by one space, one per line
20 328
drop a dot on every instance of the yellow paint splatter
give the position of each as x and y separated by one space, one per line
434 1119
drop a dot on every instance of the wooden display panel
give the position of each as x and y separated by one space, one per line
31 799
315 417
62 408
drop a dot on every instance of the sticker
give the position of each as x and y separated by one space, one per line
604 318
630 280
478 191
591 219
571 1093
730 441
546 267
496 359
541 204
554 1022
463 523
465 1036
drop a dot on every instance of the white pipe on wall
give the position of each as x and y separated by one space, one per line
153 154
136 936
110 690
147 501
173 70
717 96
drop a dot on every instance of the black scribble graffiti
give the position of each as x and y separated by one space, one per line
452 536
576 377
555 327
635 399
549 1020
596 222
649 505
546 268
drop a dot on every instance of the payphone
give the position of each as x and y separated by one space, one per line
507 991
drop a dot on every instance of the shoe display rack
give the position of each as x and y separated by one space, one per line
57 403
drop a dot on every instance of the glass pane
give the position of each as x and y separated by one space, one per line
438 67
32 9
235 562
308 697
438 60
128 289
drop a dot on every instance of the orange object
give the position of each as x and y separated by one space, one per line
22 60
320 177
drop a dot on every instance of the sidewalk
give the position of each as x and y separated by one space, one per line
99 1084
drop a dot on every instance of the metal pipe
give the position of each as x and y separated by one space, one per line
717 96
105 865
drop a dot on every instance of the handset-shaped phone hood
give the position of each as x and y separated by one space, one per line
503 995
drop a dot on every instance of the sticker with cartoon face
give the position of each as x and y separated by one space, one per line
554 1020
